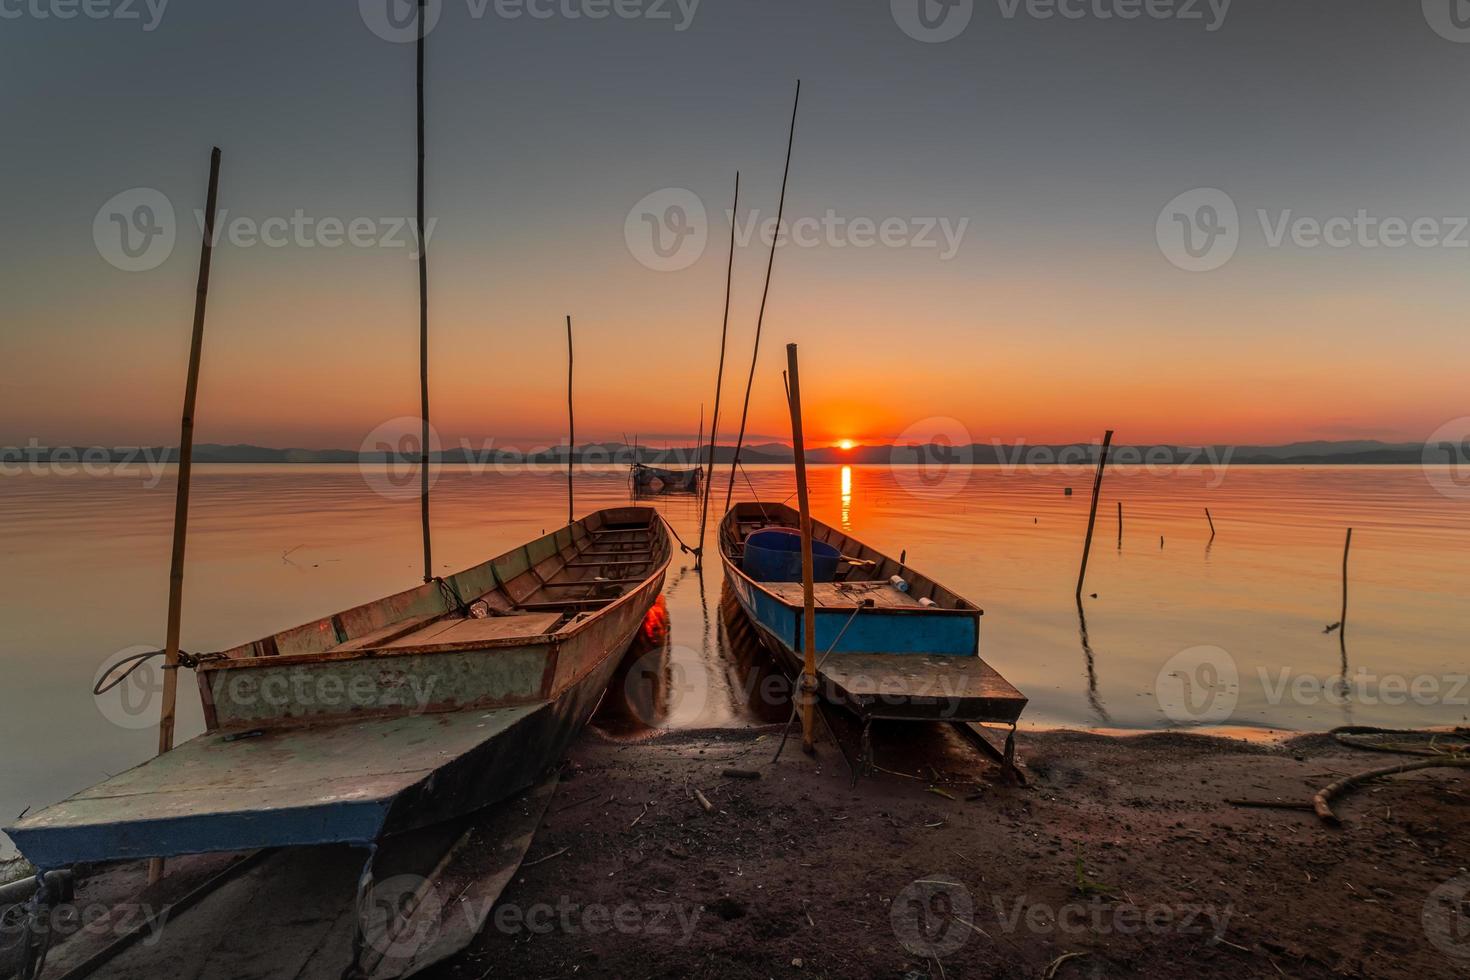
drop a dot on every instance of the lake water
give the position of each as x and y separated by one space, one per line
1226 632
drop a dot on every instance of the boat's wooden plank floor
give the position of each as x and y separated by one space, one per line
846 595
308 785
917 685
468 632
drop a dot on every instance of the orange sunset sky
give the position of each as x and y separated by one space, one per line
1056 317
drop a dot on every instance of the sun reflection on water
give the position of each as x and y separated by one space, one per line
847 498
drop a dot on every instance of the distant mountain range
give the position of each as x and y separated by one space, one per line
1022 454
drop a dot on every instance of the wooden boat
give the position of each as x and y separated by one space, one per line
653 479
432 893
402 713
882 653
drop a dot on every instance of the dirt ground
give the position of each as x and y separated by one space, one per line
1122 858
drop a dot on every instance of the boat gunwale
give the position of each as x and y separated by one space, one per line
732 567
567 632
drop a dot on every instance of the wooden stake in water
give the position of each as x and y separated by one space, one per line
571 429
1102 462
1342 623
1120 525
423 318
181 493
808 691
1212 523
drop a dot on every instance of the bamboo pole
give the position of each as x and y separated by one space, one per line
1120 525
714 423
571 430
1342 623
423 318
766 292
808 692
699 437
1212 523
181 492
1102 462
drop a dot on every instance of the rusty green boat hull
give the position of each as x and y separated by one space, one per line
417 708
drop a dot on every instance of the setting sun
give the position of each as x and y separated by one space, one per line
845 444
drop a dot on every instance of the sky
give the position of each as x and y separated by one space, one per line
1059 219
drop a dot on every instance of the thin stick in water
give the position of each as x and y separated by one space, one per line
699 436
1342 623
1212 522
1102 462
714 423
1120 525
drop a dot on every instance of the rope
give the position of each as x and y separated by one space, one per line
684 547
758 502
451 595
795 704
137 660
37 942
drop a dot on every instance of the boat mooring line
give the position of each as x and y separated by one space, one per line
786 729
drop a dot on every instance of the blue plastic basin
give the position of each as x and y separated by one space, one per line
774 555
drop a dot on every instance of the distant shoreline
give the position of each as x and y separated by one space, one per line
987 455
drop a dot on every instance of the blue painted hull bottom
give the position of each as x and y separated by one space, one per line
345 782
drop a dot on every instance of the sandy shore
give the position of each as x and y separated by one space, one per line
1122 858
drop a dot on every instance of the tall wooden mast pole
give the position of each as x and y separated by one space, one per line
181 493
808 692
714 422
766 292
571 430
423 318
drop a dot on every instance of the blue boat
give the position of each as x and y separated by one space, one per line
891 644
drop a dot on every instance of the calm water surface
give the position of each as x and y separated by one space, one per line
86 573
